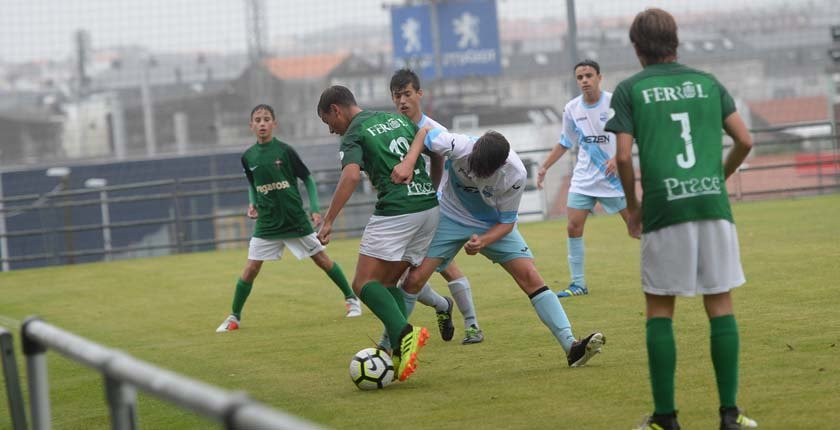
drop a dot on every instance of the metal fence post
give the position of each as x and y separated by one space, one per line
122 402
39 390
179 240
17 409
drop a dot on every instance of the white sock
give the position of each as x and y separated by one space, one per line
430 297
462 293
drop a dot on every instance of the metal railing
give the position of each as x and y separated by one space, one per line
123 375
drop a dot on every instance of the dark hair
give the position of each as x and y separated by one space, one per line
335 95
402 78
262 107
589 63
654 34
489 154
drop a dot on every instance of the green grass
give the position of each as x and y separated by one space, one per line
295 346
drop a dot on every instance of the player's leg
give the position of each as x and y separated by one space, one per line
669 269
459 287
259 250
720 270
578 207
389 245
310 246
422 273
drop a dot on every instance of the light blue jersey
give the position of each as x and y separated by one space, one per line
583 125
472 201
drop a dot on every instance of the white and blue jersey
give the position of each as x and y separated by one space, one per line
426 121
472 201
583 125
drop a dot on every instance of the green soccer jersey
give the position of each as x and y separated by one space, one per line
377 142
272 169
676 115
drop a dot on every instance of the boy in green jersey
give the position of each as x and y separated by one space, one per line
404 220
272 168
689 242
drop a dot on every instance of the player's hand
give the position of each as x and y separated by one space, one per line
610 168
541 177
252 212
402 173
316 219
474 245
324 232
634 223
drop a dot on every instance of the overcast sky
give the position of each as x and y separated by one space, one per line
38 29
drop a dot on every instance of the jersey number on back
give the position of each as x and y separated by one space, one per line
685 160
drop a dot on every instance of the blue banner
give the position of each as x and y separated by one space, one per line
469 38
411 33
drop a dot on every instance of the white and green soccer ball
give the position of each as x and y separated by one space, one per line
371 369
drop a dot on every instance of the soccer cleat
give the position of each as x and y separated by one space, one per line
472 334
660 422
353 306
230 323
734 419
583 350
573 290
444 321
410 343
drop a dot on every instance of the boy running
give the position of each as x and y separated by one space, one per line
403 222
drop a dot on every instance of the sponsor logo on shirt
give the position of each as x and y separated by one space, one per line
691 187
392 124
264 189
688 90
601 140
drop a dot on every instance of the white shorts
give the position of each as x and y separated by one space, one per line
400 237
690 258
272 249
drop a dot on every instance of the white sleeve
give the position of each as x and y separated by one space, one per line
450 145
508 203
568 137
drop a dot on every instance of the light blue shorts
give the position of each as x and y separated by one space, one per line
451 236
582 201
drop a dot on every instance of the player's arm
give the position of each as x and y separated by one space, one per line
737 130
252 192
624 162
436 169
314 206
552 158
404 172
347 183
493 234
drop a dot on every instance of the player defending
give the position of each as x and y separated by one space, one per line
479 206
689 243
594 178
272 168
403 223
407 96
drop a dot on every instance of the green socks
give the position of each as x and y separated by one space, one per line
337 276
662 363
243 289
724 343
383 305
397 293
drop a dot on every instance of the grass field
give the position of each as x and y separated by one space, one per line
294 348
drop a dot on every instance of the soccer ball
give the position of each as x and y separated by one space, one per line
371 368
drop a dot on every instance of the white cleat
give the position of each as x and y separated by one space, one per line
230 323
354 307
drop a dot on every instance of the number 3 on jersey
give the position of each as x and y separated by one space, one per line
684 160
399 146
